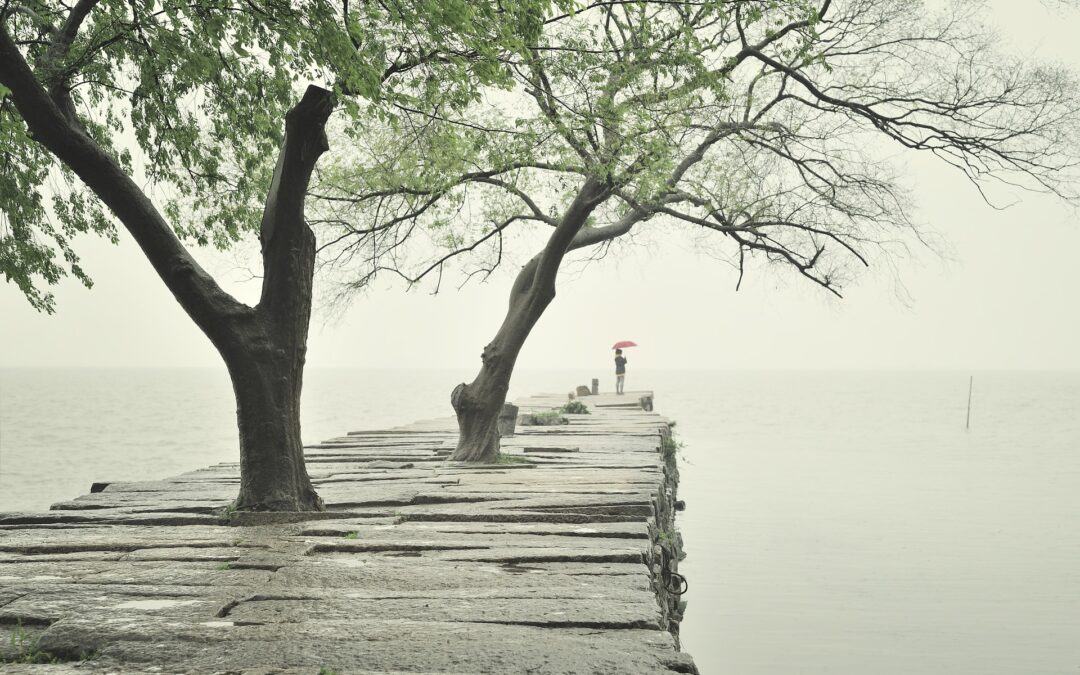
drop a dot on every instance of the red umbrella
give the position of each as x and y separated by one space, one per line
623 344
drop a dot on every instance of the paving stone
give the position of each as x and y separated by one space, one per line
419 565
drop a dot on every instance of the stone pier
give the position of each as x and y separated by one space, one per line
560 560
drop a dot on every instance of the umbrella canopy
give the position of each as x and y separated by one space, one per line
623 344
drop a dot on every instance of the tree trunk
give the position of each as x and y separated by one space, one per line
478 427
273 476
266 356
478 403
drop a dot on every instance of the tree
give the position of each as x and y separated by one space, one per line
193 94
763 121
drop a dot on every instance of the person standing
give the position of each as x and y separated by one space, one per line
620 371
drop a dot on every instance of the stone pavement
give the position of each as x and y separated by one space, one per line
558 565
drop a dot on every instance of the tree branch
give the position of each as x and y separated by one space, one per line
196 291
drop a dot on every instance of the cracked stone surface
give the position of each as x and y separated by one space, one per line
419 565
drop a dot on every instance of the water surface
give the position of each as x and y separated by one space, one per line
841 523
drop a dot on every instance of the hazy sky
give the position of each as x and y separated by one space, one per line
1004 296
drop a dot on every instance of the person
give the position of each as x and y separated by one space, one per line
620 371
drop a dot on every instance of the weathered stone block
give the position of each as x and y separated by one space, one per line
535 420
508 419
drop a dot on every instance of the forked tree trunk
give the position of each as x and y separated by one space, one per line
264 347
266 354
266 364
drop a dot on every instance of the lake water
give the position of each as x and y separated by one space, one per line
841 523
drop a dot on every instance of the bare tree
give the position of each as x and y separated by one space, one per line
767 123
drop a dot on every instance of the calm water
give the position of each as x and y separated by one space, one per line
840 523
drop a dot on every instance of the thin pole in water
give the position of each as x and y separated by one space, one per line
971 383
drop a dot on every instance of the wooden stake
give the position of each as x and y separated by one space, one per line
971 384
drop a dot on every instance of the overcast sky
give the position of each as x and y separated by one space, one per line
1004 295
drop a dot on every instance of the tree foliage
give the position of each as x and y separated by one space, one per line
771 123
188 97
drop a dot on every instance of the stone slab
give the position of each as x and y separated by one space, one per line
420 565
